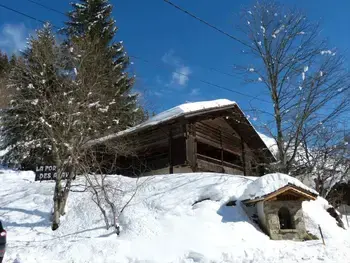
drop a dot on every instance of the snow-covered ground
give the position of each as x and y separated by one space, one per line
160 225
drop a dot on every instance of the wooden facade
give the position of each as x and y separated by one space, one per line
220 140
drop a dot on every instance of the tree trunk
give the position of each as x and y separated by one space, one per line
64 200
65 194
56 207
280 141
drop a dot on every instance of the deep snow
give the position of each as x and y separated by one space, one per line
160 225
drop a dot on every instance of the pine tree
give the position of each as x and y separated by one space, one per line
4 63
101 67
4 71
32 80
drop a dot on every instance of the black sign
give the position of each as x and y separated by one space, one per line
48 172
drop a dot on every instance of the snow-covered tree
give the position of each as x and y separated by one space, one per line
101 67
69 93
4 63
5 67
307 81
32 79
100 100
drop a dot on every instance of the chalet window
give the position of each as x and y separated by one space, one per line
253 167
232 158
217 153
286 221
208 150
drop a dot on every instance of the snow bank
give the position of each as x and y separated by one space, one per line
316 215
270 183
162 224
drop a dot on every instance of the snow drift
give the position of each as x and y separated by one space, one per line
173 218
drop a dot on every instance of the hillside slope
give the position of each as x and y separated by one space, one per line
160 225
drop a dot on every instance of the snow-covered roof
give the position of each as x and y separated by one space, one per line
270 143
181 110
270 183
190 108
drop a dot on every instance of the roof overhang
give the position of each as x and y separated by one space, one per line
304 194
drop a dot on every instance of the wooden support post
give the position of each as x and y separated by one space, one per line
346 216
194 148
170 155
222 153
319 228
243 158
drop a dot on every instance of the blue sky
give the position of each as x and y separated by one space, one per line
174 42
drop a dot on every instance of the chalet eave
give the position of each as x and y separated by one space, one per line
292 189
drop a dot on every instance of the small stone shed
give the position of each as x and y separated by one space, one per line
277 203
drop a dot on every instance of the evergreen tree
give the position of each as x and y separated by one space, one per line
100 65
33 78
4 63
4 70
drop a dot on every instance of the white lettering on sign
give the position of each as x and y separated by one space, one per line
49 172
39 168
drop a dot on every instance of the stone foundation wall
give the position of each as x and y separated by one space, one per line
271 209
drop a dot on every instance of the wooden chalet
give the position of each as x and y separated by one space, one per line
210 136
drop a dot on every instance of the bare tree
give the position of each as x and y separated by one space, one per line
111 193
306 80
323 160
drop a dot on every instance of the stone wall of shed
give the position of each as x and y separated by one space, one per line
271 209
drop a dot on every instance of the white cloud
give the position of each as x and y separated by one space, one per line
194 92
159 80
180 76
158 94
170 59
13 37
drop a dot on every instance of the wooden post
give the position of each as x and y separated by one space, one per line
222 153
319 228
190 147
346 216
243 157
170 155
193 147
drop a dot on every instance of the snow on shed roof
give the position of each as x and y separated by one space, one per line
178 111
270 183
